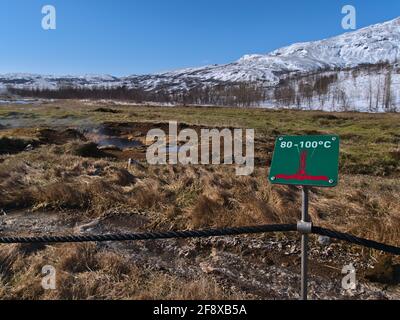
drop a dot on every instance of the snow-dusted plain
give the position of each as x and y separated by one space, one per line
363 90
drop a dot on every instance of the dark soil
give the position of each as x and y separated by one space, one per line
51 136
13 146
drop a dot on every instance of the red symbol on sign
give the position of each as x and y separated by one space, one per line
302 174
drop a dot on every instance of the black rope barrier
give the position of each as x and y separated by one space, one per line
356 240
152 235
200 234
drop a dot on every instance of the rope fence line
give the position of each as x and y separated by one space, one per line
152 235
207 233
356 240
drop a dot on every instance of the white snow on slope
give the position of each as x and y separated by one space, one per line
370 45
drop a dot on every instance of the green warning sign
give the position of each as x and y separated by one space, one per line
306 161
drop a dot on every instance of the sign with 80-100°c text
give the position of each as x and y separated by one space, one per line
306 161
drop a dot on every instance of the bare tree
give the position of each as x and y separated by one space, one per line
370 97
387 97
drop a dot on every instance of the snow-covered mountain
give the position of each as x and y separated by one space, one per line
37 81
375 44
371 45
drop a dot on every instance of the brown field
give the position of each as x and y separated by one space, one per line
58 175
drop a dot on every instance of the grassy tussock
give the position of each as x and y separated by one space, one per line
47 178
87 272
194 197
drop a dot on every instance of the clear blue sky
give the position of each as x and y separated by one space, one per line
123 37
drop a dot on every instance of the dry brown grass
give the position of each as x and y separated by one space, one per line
363 205
87 272
47 178
59 178
194 196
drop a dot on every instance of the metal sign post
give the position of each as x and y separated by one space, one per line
304 245
305 161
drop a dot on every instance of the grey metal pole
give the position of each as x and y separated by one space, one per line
304 245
